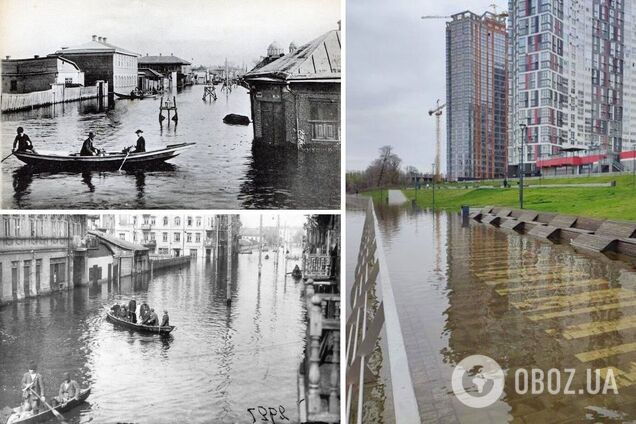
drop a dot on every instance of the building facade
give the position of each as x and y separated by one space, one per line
172 234
476 93
39 74
295 98
167 66
102 61
572 79
37 254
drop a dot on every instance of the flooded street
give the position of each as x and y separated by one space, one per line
524 302
221 171
219 361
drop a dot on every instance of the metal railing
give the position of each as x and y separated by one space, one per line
364 325
316 266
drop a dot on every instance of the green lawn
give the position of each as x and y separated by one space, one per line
600 202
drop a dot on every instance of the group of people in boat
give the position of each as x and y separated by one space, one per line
22 143
33 399
147 315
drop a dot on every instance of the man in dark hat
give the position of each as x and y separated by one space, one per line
32 384
141 142
22 142
87 148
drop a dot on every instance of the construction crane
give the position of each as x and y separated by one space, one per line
438 142
493 6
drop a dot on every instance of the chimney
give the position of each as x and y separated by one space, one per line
99 39
8 57
104 39
35 56
339 24
94 38
159 54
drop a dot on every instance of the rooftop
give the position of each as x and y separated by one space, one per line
162 60
96 45
122 244
317 60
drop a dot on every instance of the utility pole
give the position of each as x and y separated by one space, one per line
260 246
524 132
228 286
433 178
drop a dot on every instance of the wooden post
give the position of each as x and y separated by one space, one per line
260 246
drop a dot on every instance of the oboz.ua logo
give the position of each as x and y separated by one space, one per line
478 381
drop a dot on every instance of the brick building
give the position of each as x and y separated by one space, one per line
101 60
296 98
37 254
39 74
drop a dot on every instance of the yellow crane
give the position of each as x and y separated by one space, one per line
438 142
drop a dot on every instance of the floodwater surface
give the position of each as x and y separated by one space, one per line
219 362
526 303
220 172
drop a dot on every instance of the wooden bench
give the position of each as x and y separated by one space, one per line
617 229
545 231
563 221
594 242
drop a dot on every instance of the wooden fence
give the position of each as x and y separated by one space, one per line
57 94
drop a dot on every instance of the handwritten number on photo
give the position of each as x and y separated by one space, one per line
268 414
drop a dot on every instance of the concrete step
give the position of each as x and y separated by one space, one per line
594 242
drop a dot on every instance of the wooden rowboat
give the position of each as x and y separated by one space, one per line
154 329
110 161
128 96
48 415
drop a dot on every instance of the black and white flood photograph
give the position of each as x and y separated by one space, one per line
183 317
204 104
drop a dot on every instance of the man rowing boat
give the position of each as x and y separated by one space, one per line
22 142
69 389
32 386
88 149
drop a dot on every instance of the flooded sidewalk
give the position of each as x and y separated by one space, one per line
526 303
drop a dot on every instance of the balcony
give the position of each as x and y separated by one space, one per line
316 266
146 227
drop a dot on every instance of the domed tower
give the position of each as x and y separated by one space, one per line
292 48
274 50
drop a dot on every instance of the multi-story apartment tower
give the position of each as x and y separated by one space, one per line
476 96
570 83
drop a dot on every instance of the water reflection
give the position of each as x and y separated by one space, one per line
217 354
524 302
221 171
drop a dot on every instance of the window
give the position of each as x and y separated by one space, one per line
324 119
7 227
177 221
122 236
197 237
177 236
193 253
189 221
164 237
165 221
198 221
152 236
189 237
68 82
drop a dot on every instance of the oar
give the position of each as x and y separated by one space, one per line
7 157
122 163
59 416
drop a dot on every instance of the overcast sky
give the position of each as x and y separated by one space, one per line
202 31
395 73
252 220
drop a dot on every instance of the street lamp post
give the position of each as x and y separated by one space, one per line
433 179
524 129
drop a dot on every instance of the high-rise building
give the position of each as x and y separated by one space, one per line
572 79
476 96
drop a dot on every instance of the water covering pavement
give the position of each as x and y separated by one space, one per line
220 172
219 361
524 302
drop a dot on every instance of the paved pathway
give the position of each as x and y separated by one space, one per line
396 197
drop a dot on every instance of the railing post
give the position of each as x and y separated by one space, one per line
315 331
334 401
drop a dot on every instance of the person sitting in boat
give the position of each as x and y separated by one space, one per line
22 142
32 387
115 309
152 319
88 149
144 310
165 321
69 389
140 146
124 312
132 308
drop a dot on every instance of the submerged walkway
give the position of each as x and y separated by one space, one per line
396 197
